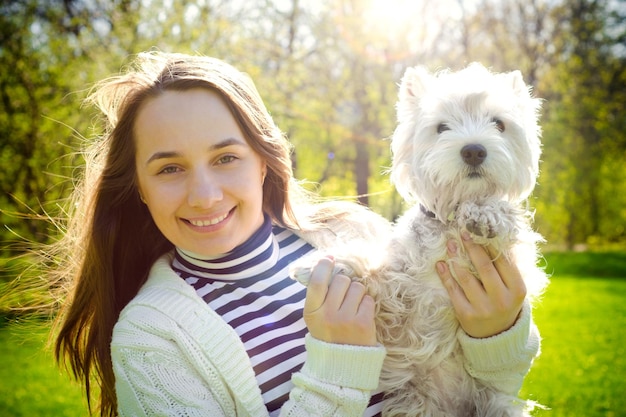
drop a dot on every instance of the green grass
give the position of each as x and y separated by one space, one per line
30 383
581 371
582 320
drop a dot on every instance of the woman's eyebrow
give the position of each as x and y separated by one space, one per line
227 142
172 154
162 155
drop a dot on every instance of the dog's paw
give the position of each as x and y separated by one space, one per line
478 228
301 273
302 269
487 221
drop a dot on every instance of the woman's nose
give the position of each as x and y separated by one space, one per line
204 190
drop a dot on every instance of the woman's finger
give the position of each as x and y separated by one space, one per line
483 263
337 292
456 293
353 297
472 287
508 270
317 289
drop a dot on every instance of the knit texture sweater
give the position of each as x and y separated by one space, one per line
174 356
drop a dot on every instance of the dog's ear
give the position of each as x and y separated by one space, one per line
414 82
412 88
517 83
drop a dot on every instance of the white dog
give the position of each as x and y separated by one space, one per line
465 154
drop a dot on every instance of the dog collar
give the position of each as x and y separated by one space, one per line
432 215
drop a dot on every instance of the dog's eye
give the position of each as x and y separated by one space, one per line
442 128
499 124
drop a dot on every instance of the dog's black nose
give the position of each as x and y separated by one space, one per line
474 155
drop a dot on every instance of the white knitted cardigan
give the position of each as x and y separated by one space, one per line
174 356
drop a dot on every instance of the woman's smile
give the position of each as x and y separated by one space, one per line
204 222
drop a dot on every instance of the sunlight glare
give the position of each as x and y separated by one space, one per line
388 13
399 27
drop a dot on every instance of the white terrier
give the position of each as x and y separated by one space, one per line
466 155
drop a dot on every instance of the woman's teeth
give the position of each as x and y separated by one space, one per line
208 222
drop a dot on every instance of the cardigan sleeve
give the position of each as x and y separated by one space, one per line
336 380
153 377
502 361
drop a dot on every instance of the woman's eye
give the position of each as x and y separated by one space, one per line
169 170
226 159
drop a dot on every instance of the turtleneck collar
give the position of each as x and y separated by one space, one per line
257 254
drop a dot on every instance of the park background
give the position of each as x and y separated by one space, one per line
328 71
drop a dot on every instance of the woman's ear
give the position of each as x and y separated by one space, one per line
141 197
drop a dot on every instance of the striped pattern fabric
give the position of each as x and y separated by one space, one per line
251 290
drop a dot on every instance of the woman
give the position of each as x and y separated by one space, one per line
186 222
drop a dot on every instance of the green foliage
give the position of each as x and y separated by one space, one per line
24 290
328 72
28 148
581 196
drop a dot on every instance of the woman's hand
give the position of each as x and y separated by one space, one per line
490 305
338 310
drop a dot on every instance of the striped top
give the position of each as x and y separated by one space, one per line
251 290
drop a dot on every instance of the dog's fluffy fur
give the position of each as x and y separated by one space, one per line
465 155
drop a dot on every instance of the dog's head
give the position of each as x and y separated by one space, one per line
466 135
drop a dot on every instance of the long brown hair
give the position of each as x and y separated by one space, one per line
111 241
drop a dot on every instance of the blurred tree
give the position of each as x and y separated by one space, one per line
582 194
356 62
328 72
514 34
35 80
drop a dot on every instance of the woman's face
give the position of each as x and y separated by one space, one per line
201 181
